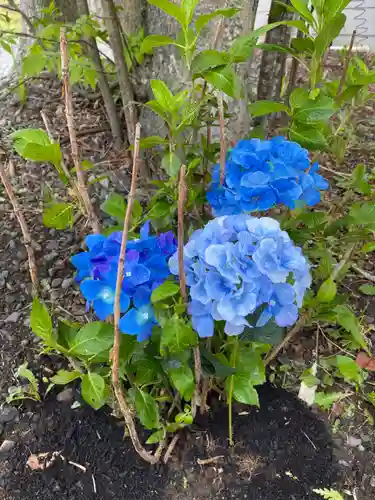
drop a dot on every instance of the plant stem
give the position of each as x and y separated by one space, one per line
182 191
81 182
233 362
121 398
346 64
24 228
223 148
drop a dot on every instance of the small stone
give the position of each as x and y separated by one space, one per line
354 442
8 414
52 245
65 396
13 318
6 446
366 438
56 282
36 246
11 298
372 482
66 283
369 320
11 245
22 254
55 294
51 256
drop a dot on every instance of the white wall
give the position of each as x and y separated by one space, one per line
360 16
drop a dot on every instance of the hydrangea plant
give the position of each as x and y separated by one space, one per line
260 174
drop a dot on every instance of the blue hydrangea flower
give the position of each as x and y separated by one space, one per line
238 265
146 267
262 174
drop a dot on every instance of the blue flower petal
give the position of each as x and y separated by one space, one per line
91 289
203 325
102 309
129 323
141 296
81 260
92 240
287 315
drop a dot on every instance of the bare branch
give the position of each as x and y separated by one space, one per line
171 447
81 182
24 228
346 63
121 398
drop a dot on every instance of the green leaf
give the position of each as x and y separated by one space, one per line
49 153
242 47
329 494
183 380
176 336
219 362
349 369
136 212
115 206
188 8
261 108
58 216
164 291
93 390
145 370
327 291
302 8
156 437
308 137
206 18
305 44
243 391
153 140
347 319
208 59
359 180
93 340
171 164
251 363
23 137
329 32
363 213
314 111
160 210
163 95
146 407
368 247
169 8
270 333
333 7
325 400
40 321
33 64
368 289
299 98
64 377
224 79
24 372
152 41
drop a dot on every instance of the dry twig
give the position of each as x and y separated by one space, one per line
182 191
81 182
171 447
24 228
346 63
121 398
207 461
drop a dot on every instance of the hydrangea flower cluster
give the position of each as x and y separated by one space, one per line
238 263
146 267
261 174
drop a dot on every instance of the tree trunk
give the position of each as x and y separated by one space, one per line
126 89
104 87
272 68
69 10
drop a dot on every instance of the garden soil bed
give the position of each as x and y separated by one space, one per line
282 452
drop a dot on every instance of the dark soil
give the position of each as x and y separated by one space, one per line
283 451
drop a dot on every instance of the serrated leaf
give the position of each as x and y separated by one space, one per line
115 206
326 400
224 79
164 291
33 64
146 407
64 377
23 137
176 336
243 391
206 18
40 321
314 111
183 380
171 164
363 213
261 108
163 95
58 216
327 291
93 341
308 137
208 59
367 289
169 8
349 369
347 319
93 390
156 437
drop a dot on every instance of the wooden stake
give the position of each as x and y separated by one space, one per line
24 228
223 147
120 395
81 182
